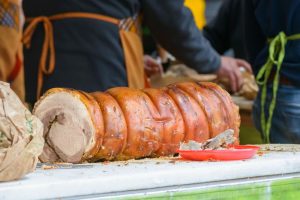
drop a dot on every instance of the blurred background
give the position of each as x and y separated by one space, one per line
204 12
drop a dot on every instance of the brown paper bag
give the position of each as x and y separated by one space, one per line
21 140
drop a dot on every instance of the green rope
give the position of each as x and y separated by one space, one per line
276 56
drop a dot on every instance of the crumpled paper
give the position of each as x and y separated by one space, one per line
179 73
221 141
249 88
21 136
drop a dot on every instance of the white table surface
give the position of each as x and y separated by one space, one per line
111 177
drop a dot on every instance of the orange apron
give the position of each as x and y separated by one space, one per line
130 40
11 55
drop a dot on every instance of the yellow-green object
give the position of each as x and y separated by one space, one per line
273 189
197 7
276 56
249 135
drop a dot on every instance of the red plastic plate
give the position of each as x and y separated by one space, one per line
239 152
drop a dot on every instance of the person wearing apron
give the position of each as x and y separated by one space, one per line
270 35
93 45
11 56
276 110
266 34
226 30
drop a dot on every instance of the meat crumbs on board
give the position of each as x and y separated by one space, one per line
222 141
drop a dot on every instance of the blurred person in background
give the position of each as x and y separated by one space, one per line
95 45
266 33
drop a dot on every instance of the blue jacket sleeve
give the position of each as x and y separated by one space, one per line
172 25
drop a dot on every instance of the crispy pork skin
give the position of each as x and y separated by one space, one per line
170 119
143 130
115 129
228 106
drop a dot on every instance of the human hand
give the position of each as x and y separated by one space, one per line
230 70
152 67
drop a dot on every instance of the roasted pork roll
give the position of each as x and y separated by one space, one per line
124 123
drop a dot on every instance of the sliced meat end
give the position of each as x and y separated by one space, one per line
69 130
97 118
